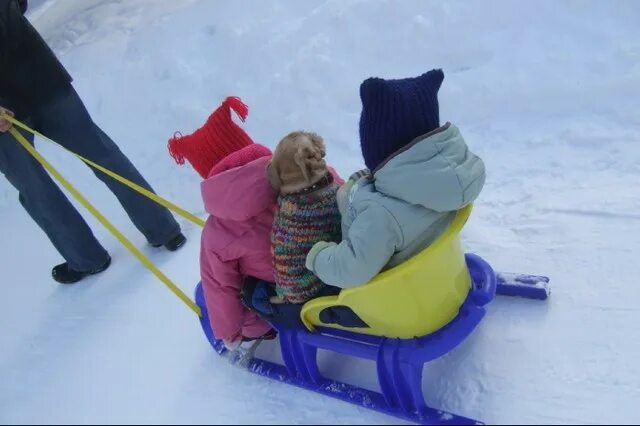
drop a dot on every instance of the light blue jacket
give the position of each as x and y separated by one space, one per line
410 200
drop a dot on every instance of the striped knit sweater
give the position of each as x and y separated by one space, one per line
302 220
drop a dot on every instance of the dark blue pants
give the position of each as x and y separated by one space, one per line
66 121
255 296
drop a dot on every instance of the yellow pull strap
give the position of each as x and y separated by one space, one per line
104 221
166 203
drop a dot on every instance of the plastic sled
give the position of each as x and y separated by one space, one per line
402 319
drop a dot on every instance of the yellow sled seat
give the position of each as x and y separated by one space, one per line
412 299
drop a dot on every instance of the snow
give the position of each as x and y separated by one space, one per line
546 92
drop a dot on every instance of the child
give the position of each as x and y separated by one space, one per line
307 213
421 174
235 240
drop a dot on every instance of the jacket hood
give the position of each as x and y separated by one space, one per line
240 193
436 170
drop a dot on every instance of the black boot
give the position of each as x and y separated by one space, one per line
65 275
173 244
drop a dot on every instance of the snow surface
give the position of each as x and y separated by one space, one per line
546 92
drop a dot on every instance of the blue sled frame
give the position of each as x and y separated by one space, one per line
399 362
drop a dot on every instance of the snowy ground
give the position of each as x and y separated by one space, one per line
546 92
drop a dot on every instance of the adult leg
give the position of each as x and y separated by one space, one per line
50 208
66 120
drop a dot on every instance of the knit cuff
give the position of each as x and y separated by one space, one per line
313 253
360 174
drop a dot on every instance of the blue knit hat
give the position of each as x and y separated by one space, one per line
395 112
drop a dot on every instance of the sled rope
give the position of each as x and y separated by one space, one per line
143 191
103 220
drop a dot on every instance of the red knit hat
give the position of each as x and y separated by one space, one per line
219 137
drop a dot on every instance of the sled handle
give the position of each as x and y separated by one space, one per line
483 280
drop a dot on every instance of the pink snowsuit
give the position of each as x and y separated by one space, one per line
236 243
